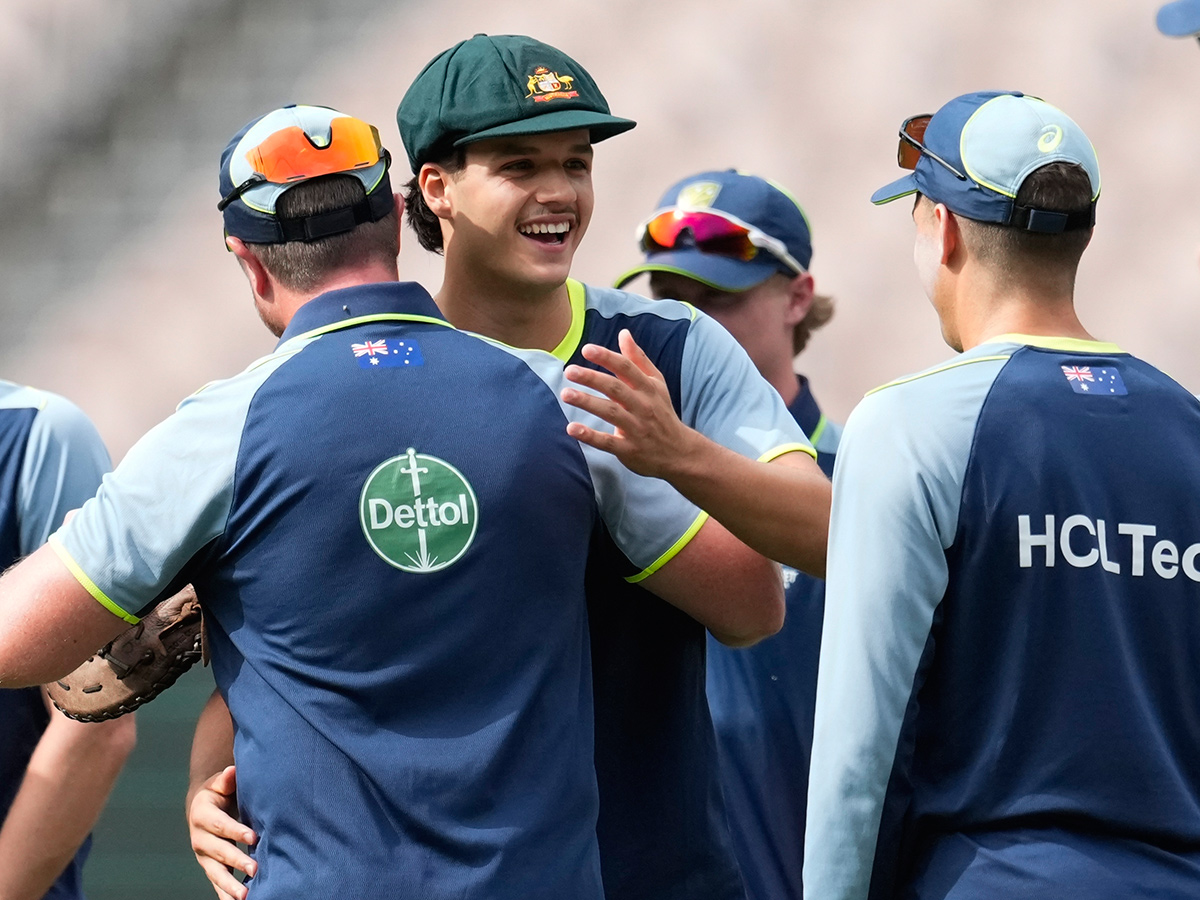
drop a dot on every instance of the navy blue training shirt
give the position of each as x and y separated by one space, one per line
1009 695
663 830
51 461
387 525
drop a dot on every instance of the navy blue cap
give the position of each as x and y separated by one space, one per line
753 201
1179 19
251 215
995 139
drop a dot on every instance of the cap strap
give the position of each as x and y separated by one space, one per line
336 221
1044 221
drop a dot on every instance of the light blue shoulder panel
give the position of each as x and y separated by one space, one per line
722 394
168 498
897 488
63 463
610 302
726 399
646 517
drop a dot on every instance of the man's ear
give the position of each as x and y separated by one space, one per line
800 298
433 181
949 232
256 273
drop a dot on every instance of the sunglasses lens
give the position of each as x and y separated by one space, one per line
289 155
709 233
909 152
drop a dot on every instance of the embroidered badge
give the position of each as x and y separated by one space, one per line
698 195
544 85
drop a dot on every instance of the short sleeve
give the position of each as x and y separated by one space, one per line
168 499
728 401
647 519
64 461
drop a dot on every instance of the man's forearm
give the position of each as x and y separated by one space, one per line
780 508
68 780
212 745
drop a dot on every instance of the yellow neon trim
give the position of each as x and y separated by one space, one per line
819 430
670 554
645 268
784 449
884 200
378 317
953 365
577 296
1069 345
779 187
88 584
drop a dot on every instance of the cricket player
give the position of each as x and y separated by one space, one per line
503 190
698 249
1009 678
55 774
399 730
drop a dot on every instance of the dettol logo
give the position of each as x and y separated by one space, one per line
418 512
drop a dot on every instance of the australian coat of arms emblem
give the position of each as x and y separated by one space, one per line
544 85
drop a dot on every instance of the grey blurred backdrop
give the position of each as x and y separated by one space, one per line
117 291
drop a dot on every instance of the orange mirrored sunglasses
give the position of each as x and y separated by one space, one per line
912 145
290 155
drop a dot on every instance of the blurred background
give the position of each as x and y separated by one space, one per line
117 291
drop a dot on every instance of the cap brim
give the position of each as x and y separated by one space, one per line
601 126
718 272
1179 19
901 187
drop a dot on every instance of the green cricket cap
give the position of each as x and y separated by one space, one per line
496 86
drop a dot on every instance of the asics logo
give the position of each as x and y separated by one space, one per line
1052 136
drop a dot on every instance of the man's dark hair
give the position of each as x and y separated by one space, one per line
421 219
1057 187
306 265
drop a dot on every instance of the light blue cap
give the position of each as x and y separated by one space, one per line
995 140
1180 19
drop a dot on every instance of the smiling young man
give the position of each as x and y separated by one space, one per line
500 132
1008 684
503 158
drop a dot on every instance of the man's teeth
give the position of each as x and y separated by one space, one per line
560 228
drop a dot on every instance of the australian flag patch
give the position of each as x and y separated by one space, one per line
1103 381
393 354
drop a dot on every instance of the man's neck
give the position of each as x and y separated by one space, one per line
517 315
989 310
785 380
286 302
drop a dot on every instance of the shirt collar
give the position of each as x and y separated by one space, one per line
383 298
804 408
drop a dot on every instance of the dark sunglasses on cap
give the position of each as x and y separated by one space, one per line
711 231
912 145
